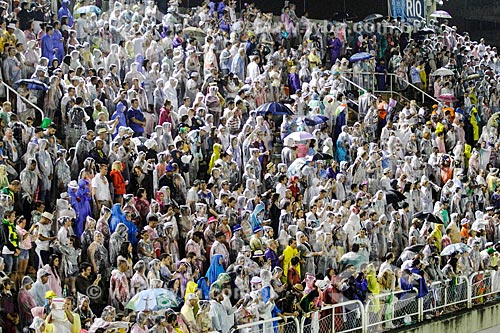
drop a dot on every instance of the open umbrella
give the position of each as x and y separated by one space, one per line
88 9
296 166
443 72
360 56
426 31
409 253
32 84
394 197
427 216
153 299
415 248
473 77
315 120
441 14
454 248
447 97
275 108
489 72
322 157
300 136
373 17
195 32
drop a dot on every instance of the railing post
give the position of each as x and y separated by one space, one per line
469 292
298 325
420 309
446 293
7 90
364 317
333 319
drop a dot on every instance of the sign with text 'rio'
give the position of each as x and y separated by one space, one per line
408 10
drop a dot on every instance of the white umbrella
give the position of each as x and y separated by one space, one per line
296 166
441 14
300 136
373 17
443 72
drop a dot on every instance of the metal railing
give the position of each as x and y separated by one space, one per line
391 310
342 317
368 80
448 295
287 325
388 310
9 90
483 286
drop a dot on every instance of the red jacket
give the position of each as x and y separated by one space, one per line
118 181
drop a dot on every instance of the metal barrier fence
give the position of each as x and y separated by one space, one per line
484 286
389 310
342 317
446 296
273 325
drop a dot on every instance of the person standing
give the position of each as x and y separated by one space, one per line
335 47
48 50
100 189
136 118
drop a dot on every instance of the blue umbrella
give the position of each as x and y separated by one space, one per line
315 120
33 84
360 56
275 108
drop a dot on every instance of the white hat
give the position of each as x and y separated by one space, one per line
256 280
47 215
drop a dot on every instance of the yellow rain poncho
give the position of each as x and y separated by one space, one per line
215 157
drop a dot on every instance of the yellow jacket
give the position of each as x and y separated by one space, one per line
288 254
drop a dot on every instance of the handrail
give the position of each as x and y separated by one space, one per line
424 94
24 99
354 84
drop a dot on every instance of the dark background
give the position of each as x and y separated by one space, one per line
480 18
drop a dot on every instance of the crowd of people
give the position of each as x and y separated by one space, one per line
156 169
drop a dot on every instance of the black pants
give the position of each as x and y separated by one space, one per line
45 256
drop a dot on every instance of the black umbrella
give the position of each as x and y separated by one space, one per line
275 108
394 197
322 157
429 217
415 248
409 253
